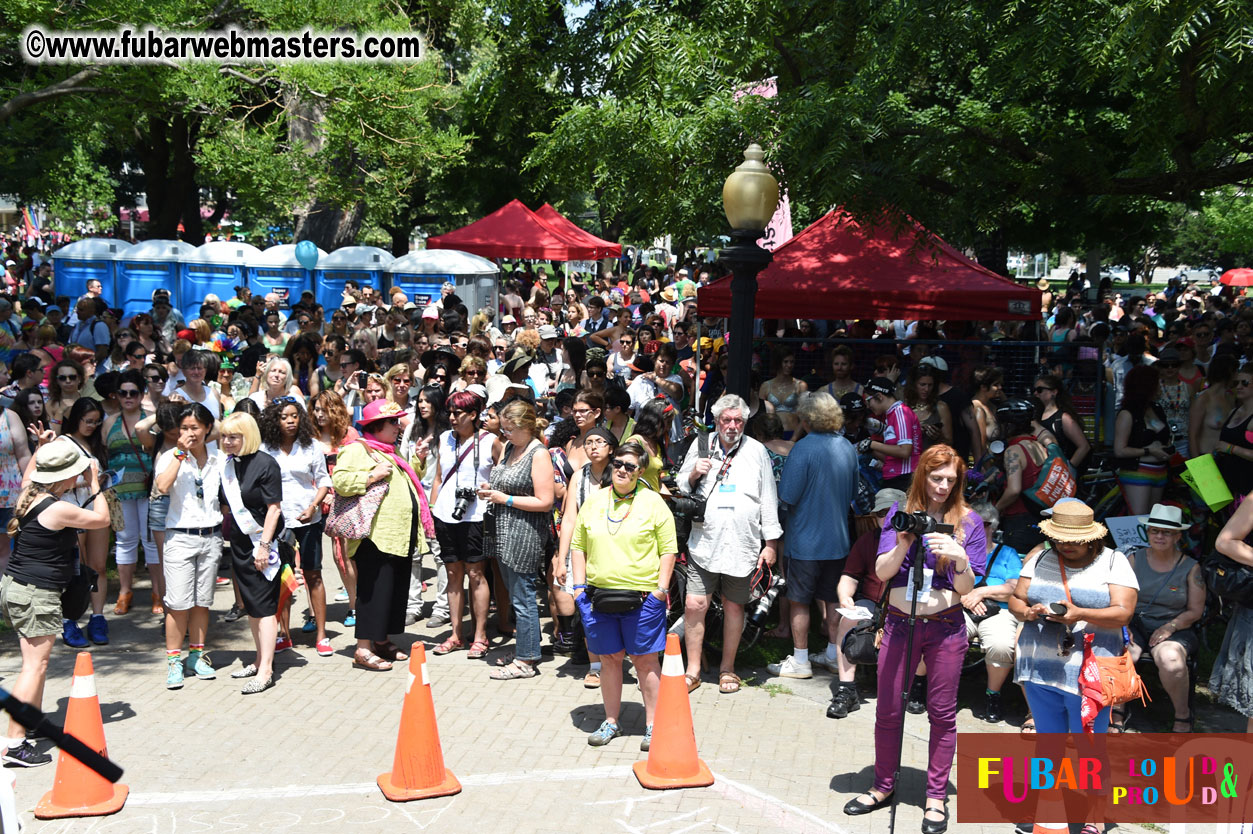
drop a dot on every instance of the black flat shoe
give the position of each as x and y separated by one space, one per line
855 809
932 826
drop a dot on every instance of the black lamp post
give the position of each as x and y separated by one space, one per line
749 196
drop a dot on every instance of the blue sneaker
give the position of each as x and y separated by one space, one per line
310 626
604 734
98 630
351 619
648 738
72 635
342 596
174 673
197 664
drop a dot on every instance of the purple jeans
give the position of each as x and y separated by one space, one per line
942 643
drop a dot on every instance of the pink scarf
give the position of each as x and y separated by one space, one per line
428 523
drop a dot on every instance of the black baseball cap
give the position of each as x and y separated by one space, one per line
881 385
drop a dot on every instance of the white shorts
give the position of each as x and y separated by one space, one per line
191 570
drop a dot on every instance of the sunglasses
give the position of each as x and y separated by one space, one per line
128 392
625 465
1244 383
596 374
474 372
440 378
457 412
154 380
1040 388
1168 365
402 379
285 401
73 378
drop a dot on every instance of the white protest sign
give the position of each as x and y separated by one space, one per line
1129 532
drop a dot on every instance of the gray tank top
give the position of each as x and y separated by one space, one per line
1162 595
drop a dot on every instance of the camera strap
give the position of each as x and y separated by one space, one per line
473 445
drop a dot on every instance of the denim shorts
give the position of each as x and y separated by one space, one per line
638 632
158 507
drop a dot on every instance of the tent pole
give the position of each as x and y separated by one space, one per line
696 393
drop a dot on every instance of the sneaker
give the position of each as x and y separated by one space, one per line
820 659
198 665
342 596
310 625
24 755
174 673
992 708
1024 828
845 701
438 620
98 630
647 741
72 635
563 642
413 616
604 734
789 668
323 648
917 697
222 581
234 614
351 619
282 644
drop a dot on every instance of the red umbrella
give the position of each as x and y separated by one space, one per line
1242 277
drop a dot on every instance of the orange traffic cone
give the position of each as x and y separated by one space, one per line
78 790
418 770
672 760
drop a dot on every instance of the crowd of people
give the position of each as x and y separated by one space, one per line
574 453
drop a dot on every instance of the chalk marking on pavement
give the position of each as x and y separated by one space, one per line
479 780
788 817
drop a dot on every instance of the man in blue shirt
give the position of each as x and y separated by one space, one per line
997 633
818 486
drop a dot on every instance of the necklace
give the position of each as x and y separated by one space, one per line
614 501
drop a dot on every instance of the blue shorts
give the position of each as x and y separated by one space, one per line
638 632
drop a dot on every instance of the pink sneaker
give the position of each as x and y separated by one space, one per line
324 648
282 644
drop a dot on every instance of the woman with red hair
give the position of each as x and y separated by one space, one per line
951 564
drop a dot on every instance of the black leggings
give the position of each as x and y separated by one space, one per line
382 592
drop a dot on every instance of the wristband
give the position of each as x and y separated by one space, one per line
576 587
509 501
963 570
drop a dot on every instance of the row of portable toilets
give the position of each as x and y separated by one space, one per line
130 273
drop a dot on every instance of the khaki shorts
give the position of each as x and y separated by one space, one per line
702 583
31 611
191 570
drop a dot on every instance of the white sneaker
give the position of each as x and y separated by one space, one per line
821 660
789 668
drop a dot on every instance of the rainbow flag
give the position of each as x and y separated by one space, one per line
287 587
31 221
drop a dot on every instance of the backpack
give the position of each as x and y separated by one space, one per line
1056 480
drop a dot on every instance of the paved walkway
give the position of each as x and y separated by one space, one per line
304 756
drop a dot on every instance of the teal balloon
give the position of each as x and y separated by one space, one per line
307 254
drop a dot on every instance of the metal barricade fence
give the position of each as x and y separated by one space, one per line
1021 363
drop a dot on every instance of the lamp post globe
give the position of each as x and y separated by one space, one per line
749 196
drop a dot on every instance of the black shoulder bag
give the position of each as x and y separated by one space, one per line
991 607
861 645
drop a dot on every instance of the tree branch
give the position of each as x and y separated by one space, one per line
74 84
1175 185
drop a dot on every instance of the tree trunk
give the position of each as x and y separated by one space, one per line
400 240
1093 266
328 226
167 154
992 252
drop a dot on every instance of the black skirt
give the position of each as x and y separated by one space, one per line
382 592
260 595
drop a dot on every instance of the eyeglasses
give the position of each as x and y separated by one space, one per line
625 465
128 392
1040 388
580 412
71 378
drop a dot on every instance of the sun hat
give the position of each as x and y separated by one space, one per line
1043 284
669 295
380 410
1047 512
936 362
1165 517
58 461
1072 522
519 359
885 498
508 320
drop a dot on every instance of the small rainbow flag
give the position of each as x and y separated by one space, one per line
31 222
287 587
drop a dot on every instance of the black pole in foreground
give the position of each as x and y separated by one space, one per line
746 260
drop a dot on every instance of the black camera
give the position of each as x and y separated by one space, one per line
919 523
464 496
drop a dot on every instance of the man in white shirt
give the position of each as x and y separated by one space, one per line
736 482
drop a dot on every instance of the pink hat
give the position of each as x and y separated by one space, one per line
380 410
430 313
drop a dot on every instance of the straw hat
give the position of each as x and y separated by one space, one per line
58 461
1072 522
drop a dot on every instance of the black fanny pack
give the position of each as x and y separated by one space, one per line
614 601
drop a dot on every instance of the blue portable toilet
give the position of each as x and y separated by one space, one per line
276 270
216 268
364 264
147 266
421 274
93 258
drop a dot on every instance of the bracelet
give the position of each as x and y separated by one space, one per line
576 587
509 501
963 570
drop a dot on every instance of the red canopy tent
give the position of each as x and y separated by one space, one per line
836 269
562 224
514 231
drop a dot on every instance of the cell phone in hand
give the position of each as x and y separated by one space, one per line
362 376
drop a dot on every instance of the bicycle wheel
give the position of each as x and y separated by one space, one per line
1111 505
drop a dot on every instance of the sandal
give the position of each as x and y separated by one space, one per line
591 680
371 663
1189 721
506 660
516 670
448 646
123 603
478 650
728 682
1028 726
1117 722
390 651
693 683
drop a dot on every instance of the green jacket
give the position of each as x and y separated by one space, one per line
394 519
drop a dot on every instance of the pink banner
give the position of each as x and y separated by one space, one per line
779 231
